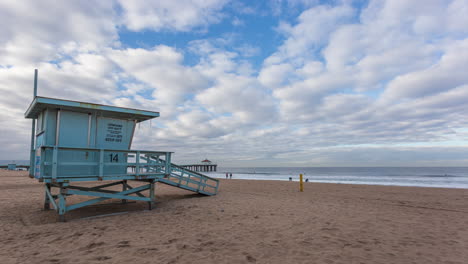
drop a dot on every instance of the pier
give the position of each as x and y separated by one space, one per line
205 166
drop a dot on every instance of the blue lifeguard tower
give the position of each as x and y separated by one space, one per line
76 141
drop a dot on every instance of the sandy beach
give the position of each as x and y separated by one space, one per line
247 222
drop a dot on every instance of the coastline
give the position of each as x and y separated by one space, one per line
439 177
248 221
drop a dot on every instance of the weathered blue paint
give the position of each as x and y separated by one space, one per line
76 141
118 195
67 164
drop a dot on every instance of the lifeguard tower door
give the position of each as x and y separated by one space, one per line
76 124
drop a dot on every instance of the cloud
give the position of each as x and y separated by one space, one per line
37 32
310 33
210 100
64 43
162 72
275 75
446 74
241 96
171 15
376 53
287 6
379 84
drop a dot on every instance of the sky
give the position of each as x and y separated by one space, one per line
251 83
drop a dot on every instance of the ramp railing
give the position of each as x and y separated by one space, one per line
187 179
191 180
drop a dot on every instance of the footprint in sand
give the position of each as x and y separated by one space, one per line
146 250
76 234
250 258
170 241
182 246
208 243
123 244
101 258
93 245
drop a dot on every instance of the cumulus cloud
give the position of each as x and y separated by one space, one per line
275 75
44 31
162 72
449 72
310 33
345 84
170 15
240 96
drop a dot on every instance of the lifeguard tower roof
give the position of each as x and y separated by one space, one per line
41 103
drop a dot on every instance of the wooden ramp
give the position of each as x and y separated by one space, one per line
183 178
191 180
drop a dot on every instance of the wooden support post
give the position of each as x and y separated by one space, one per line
46 199
168 164
54 163
62 206
101 163
137 172
124 188
151 194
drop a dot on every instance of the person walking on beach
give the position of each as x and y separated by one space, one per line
226 175
230 175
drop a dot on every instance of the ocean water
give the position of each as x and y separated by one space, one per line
446 177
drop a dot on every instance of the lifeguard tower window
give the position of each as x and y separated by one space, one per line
40 123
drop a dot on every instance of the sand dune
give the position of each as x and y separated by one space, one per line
247 222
